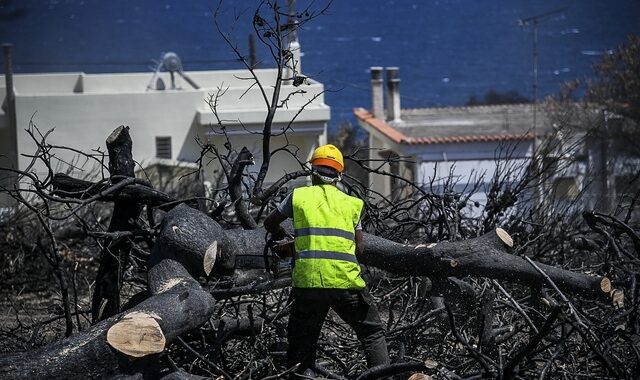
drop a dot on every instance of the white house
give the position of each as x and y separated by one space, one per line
462 141
469 143
165 120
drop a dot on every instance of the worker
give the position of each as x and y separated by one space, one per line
325 272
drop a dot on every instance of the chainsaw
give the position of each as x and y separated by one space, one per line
278 256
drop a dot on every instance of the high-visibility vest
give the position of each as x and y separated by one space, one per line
324 219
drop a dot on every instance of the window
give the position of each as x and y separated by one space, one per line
566 189
163 147
394 167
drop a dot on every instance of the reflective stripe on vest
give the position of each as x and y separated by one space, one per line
325 232
324 219
327 255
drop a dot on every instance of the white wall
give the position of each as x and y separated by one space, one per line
378 183
85 109
301 144
84 121
467 162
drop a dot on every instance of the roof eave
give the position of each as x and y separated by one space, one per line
366 118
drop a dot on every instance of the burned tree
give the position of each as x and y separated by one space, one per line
511 294
190 245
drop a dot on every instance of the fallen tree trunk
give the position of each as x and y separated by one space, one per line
113 345
177 304
192 245
485 256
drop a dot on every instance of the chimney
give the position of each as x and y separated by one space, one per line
377 93
393 94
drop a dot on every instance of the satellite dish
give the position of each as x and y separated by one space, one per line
169 62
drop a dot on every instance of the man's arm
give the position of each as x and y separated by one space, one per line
272 224
359 244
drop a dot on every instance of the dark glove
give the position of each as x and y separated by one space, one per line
283 248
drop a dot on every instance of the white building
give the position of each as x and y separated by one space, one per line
164 123
468 144
461 141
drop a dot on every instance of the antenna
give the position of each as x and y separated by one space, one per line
534 20
292 65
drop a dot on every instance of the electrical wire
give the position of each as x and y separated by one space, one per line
114 63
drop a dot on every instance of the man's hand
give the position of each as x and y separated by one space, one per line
272 225
283 248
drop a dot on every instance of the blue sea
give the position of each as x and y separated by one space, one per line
446 50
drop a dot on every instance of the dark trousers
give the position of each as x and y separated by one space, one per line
355 307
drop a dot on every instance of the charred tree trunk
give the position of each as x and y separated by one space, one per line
115 256
244 159
190 245
190 236
118 344
485 256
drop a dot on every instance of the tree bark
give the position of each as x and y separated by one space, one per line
191 245
115 256
69 187
177 304
485 256
244 159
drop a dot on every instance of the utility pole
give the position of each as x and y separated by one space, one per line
538 164
253 61
9 107
533 21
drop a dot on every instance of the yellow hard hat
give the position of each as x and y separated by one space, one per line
328 155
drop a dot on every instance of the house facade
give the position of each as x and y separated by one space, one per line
166 122
461 148
433 144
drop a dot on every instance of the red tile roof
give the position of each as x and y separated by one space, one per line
399 137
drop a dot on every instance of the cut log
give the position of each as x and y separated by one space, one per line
486 256
200 243
137 334
89 354
177 304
